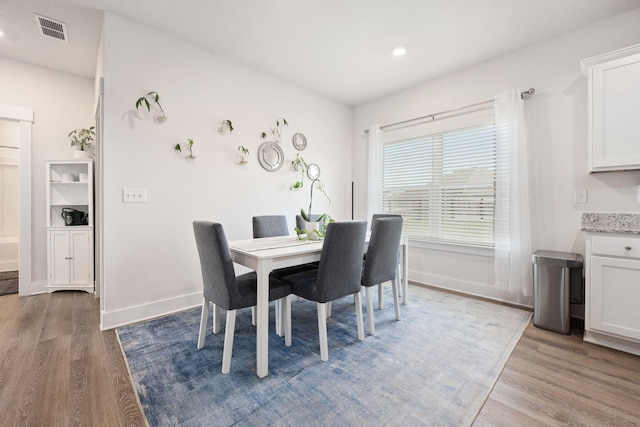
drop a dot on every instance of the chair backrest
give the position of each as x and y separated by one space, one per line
382 215
270 225
381 263
340 268
300 221
218 274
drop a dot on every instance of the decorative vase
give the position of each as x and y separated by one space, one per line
81 154
312 230
159 118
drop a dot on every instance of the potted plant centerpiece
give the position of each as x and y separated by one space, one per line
82 139
314 227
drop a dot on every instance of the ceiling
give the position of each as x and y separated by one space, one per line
340 49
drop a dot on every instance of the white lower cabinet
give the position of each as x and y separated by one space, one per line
612 312
70 259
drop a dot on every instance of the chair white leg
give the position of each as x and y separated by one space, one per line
216 319
359 316
380 296
369 301
229 330
329 309
204 317
253 315
396 298
322 331
286 320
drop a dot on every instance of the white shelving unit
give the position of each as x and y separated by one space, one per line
70 260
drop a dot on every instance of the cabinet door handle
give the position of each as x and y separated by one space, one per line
68 257
627 248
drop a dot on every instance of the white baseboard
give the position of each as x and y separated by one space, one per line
626 345
139 313
9 265
33 288
462 286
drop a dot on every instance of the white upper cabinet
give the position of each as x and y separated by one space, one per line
614 109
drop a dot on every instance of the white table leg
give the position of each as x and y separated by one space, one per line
262 320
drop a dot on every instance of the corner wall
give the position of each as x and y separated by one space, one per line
557 130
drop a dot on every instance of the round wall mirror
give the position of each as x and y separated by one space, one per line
299 141
313 171
270 156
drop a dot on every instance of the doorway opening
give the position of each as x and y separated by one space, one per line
9 206
16 170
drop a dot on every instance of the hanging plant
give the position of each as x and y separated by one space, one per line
277 131
189 143
225 126
244 152
149 100
298 165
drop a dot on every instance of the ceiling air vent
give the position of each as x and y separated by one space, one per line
50 28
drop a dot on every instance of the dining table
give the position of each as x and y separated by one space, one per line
263 255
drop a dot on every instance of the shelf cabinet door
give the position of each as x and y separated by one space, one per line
81 253
615 296
614 96
59 257
70 258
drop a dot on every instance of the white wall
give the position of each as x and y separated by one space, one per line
61 103
557 129
150 260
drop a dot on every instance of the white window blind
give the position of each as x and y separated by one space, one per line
443 184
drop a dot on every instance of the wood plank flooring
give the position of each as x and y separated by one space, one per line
553 379
57 368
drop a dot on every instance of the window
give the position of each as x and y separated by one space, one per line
443 184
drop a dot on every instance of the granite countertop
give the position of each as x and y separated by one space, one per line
611 222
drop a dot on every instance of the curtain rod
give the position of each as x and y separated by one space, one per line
524 94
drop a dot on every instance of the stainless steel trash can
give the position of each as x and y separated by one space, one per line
553 273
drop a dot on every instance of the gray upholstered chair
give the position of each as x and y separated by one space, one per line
380 289
381 262
224 289
270 226
339 274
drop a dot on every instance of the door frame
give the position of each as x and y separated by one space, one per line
24 117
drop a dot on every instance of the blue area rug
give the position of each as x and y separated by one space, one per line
434 367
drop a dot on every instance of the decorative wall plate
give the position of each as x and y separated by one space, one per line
299 141
270 156
313 171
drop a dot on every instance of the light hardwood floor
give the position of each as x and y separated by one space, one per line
553 379
57 368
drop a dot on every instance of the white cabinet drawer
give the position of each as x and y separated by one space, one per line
627 247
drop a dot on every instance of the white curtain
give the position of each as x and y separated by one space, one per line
512 268
374 190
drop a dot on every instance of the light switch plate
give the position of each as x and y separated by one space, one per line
134 195
580 196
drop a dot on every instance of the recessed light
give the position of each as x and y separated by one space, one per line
1 33
399 51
